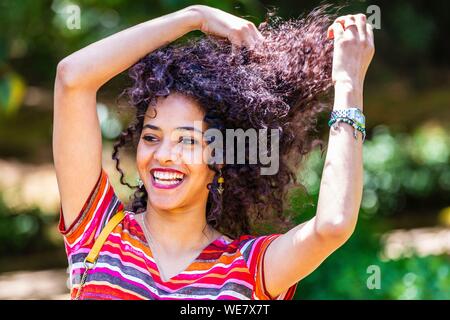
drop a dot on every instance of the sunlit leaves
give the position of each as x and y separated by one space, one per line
395 165
12 91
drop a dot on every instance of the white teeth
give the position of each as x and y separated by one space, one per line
167 178
166 182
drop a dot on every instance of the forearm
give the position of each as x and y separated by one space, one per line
342 177
97 63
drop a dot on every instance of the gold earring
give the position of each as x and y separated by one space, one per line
220 180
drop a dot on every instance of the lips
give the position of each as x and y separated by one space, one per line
165 178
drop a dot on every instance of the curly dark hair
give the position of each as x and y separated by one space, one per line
278 85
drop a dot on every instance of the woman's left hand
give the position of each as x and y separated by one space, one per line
353 49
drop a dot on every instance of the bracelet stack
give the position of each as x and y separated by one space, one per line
351 116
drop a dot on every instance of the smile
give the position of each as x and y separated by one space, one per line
166 178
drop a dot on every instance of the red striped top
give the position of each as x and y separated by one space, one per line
230 269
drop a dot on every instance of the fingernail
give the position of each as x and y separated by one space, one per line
330 34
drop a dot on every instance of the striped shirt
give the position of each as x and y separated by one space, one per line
226 269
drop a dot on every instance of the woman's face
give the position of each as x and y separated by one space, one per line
169 154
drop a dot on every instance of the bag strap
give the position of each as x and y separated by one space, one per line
112 223
92 257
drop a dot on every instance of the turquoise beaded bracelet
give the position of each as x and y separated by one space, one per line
335 121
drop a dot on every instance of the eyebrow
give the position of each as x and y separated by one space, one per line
150 126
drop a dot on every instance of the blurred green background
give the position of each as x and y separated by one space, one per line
404 228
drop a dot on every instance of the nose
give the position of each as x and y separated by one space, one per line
166 153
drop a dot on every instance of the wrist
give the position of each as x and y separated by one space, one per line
348 94
195 16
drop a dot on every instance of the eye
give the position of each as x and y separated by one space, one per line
188 140
149 138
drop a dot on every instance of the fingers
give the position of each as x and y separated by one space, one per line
254 33
341 23
234 49
350 27
361 26
246 35
336 30
369 33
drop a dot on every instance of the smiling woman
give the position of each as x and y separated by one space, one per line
186 234
167 147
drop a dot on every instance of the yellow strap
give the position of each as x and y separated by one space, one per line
115 220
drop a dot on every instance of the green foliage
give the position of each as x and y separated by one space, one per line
24 232
345 274
27 135
35 35
400 172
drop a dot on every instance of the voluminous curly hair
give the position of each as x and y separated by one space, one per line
277 85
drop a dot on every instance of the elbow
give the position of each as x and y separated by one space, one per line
336 231
66 76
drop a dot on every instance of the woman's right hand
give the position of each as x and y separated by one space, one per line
239 31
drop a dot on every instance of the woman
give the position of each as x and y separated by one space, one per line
186 235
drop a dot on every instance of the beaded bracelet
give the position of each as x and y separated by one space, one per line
335 122
353 114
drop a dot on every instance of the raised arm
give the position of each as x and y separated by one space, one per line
77 141
303 248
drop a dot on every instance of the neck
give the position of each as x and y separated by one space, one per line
179 232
